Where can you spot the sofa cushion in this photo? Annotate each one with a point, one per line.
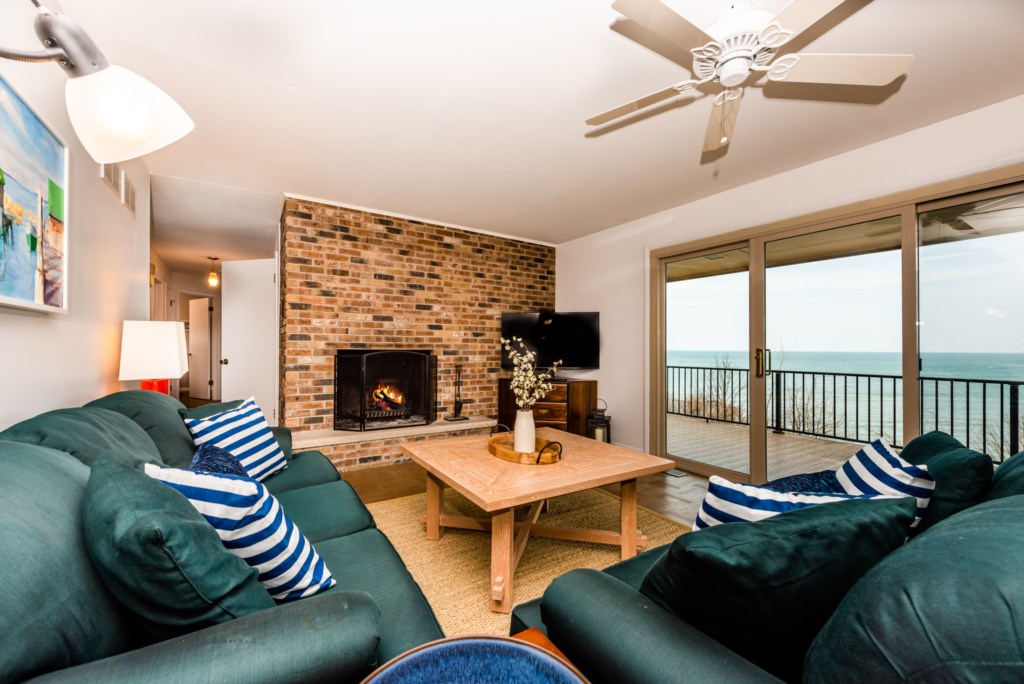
(332, 509)
(244, 432)
(211, 459)
(1007, 480)
(87, 434)
(157, 414)
(962, 475)
(730, 502)
(821, 482)
(366, 561)
(919, 449)
(877, 470)
(55, 612)
(946, 607)
(160, 558)
(252, 525)
(283, 435)
(764, 589)
(306, 468)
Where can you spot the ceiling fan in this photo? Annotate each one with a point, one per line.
(745, 43)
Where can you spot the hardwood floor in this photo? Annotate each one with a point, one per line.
(676, 498)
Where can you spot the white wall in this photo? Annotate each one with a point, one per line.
(608, 271)
(52, 360)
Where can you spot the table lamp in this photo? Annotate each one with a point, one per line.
(153, 352)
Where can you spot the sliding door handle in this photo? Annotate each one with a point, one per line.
(762, 362)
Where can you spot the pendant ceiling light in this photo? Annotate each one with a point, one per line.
(213, 279)
(116, 114)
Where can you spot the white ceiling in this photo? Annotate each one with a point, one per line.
(471, 112)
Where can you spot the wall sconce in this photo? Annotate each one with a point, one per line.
(153, 352)
(116, 113)
(213, 279)
(599, 426)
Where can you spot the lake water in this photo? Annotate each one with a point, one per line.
(977, 413)
(995, 367)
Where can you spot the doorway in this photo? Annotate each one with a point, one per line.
(201, 314)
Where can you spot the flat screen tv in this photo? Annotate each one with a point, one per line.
(574, 338)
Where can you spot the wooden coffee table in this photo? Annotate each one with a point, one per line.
(498, 486)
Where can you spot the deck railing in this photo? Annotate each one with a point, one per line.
(857, 407)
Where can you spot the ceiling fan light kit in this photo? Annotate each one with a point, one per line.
(743, 43)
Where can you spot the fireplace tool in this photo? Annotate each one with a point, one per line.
(458, 395)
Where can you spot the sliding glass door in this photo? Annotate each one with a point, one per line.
(971, 275)
(833, 349)
(778, 353)
(706, 310)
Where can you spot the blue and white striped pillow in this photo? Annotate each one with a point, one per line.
(728, 502)
(253, 526)
(877, 469)
(245, 434)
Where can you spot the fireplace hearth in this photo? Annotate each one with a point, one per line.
(375, 389)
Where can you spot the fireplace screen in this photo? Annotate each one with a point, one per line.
(376, 388)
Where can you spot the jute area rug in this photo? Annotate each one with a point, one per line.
(454, 572)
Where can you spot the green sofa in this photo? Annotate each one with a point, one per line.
(60, 622)
(947, 605)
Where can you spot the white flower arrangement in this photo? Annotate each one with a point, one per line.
(528, 385)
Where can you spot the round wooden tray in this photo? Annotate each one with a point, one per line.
(546, 450)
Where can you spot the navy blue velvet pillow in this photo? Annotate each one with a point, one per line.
(212, 459)
(823, 482)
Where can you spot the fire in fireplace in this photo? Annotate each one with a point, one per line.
(386, 401)
(384, 388)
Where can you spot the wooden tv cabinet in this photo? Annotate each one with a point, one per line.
(566, 407)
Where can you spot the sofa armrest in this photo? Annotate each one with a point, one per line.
(613, 633)
(331, 637)
(283, 436)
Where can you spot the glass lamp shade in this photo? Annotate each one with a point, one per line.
(153, 350)
(213, 279)
(119, 115)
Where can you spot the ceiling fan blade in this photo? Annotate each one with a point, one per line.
(723, 119)
(636, 105)
(800, 15)
(658, 18)
(864, 70)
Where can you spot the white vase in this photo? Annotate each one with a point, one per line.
(525, 433)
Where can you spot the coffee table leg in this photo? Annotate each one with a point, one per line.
(502, 528)
(435, 502)
(627, 518)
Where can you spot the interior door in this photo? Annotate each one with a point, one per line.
(250, 333)
(199, 349)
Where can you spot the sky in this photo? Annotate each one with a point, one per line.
(971, 296)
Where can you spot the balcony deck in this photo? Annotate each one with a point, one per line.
(726, 445)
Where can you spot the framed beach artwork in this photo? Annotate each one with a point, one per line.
(33, 231)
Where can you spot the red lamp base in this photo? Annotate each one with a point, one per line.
(161, 386)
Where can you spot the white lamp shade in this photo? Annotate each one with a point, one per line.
(153, 350)
(119, 115)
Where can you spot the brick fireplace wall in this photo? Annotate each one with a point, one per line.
(354, 279)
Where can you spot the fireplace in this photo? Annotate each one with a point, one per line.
(376, 389)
